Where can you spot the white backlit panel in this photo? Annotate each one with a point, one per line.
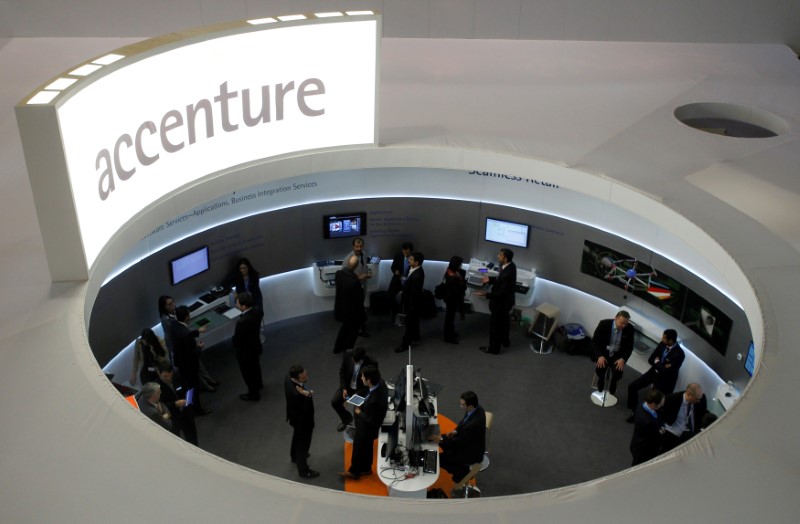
(153, 126)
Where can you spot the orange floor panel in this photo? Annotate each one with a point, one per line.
(372, 485)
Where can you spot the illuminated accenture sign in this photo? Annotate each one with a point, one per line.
(175, 129)
(154, 124)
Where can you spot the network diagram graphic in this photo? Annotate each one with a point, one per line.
(626, 271)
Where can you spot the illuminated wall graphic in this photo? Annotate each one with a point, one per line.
(658, 289)
(153, 123)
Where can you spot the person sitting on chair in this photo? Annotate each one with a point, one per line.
(465, 445)
(682, 415)
(613, 345)
(665, 363)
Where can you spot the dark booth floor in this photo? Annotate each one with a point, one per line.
(547, 433)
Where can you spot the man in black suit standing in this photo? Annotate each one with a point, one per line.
(682, 415)
(300, 415)
(465, 445)
(646, 440)
(348, 306)
(363, 272)
(247, 343)
(350, 383)
(501, 300)
(187, 355)
(412, 300)
(368, 418)
(665, 363)
(400, 267)
(613, 345)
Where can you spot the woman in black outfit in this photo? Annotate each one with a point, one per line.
(247, 279)
(149, 353)
(455, 288)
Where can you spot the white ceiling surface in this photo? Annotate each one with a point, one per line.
(71, 451)
(727, 21)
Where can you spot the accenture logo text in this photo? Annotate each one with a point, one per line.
(178, 128)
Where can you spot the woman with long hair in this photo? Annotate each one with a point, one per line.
(148, 353)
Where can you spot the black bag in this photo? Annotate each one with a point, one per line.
(437, 493)
(427, 305)
(440, 291)
(379, 303)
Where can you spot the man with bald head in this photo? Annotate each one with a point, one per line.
(348, 307)
(682, 415)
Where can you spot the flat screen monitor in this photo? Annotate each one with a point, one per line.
(425, 406)
(346, 225)
(188, 265)
(750, 360)
(391, 451)
(400, 391)
(507, 233)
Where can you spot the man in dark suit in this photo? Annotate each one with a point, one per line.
(350, 383)
(173, 395)
(187, 355)
(665, 363)
(465, 445)
(646, 440)
(363, 272)
(501, 300)
(300, 415)
(151, 406)
(682, 415)
(412, 300)
(368, 419)
(400, 267)
(348, 307)
(613, 345)
(247, 344)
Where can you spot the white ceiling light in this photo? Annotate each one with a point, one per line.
(43, 97)
(61, 83)
(261, 21)
(108, 59)
(291, 18)
(85, 70)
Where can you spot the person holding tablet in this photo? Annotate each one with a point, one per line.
(368, 418)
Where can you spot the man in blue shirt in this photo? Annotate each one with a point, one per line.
(665, 364)
(646, 440)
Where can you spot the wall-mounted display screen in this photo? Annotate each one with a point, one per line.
(345, 225)
(634, 276)
(660, 290)
(188, 265)
(706, 320)
(507, 233)
(750, 360)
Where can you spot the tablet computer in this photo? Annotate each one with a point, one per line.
(356, 400)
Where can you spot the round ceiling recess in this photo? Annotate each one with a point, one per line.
(731, 120)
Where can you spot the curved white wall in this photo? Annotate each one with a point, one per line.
(114, 452)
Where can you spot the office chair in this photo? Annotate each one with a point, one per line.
(542, 328)
(462, 488)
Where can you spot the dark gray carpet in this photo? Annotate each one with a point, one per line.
(547, 432)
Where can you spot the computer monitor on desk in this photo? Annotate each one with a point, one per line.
(425, 406)
(390, 449)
